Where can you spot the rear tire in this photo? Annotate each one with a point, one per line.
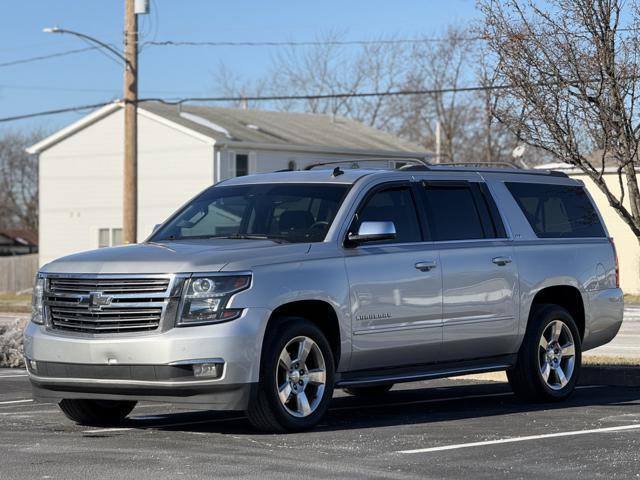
(550, 357)
(296, 378)
(96, 412)
(376, 391)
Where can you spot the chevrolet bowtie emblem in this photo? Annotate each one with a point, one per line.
(96, 300)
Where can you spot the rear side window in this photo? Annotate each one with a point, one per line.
(458, 211)
(557, 211)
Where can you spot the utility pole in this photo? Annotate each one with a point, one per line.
(132, 8)
(130, 196)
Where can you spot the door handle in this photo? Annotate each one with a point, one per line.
(501, 261)
(426, 266)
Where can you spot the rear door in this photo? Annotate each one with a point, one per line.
(395, 285)
(479, 274)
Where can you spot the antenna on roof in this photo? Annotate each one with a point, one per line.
(337, 172)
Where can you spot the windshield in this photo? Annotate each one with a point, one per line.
(281, 212)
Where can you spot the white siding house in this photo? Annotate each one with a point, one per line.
(180, 152)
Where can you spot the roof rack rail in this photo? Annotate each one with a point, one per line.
(481, 164)
(355, 162)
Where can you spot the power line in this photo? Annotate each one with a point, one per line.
(46, 57)
(271, 98)
(323, 96)
(179, 43)
(53, 112)
(267, 98)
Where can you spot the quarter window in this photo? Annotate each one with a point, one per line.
(394, 205)
(557, 211)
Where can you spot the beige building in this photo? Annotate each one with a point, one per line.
(626, 242)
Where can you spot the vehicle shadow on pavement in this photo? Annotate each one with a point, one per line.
(408, 405)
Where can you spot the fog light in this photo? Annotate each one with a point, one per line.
(33, 366)
(211, 370)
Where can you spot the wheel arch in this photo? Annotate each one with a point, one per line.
(566, 296)
(320, 312)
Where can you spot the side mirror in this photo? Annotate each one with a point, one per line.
(373, 232)
(156, 227)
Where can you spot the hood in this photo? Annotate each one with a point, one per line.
(176, 257)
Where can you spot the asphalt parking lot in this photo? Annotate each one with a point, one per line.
(438, 429)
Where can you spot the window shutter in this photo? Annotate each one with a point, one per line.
(231, 162)
(253, 163)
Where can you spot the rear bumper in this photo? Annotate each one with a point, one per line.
(154, 367)
(605, 317)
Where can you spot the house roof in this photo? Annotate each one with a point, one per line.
(21, 236)
(239, 127)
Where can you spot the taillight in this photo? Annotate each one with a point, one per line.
(615, 255)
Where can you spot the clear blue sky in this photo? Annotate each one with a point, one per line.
(89, 77)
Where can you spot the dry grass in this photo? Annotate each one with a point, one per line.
(11, 302)
(631, 299)
(11, 352)
(610, 361)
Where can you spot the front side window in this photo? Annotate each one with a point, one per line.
(284, 212)
(557, 211)
(393, 205)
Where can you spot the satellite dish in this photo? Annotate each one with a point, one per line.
(518, 151)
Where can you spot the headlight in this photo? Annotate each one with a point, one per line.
(205, 299)
(37, 301)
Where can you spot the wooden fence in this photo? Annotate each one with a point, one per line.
(17, 272)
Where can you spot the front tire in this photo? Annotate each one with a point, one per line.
(550, 357)
(96, 412)
(296, 378)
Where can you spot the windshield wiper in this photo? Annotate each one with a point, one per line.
(247, 236)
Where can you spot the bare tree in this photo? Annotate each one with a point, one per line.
(468, 129)
(572, 71)
(18, 181)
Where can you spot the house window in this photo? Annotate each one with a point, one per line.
(116, 236)
(242, 164)
(103, 238)
(109, 237)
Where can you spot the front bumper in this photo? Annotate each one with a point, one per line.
(155, 367)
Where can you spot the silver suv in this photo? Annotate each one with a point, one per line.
(266, 292)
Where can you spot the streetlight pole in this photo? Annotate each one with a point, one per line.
(130, 187)
(130, 98)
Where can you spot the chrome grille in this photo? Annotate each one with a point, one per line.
(111, 286)
(101, 305)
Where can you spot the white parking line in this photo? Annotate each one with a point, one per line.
(16, 401)
(522, 439)
(165, 425)
(14, 375)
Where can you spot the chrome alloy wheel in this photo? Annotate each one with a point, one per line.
(556, 355)
(301, 376)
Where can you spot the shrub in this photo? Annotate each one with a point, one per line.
(11, 347)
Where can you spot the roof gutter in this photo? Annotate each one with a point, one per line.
(325, 149)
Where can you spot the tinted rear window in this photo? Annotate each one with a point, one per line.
(453, 214)
(557, 211)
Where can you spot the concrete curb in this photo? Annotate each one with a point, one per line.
(614, 375)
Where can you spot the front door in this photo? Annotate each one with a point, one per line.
(395, 287)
